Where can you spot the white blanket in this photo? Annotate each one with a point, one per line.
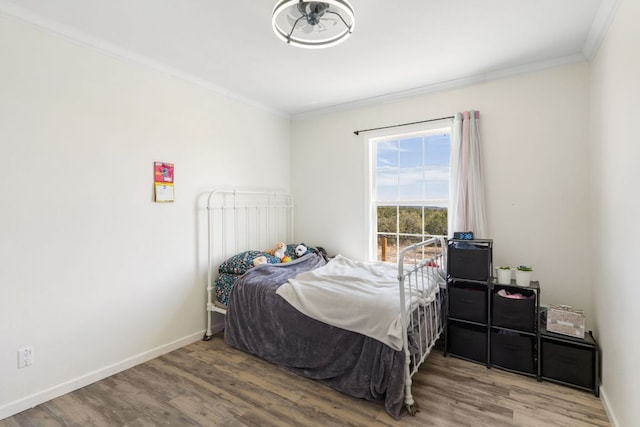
(361, 297)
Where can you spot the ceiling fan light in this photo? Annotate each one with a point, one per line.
(288, 21)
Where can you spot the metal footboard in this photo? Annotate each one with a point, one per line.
(421, 272)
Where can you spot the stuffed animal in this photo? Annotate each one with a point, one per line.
(286, 258)
(279, 250)
(301, 250)
(259, 260)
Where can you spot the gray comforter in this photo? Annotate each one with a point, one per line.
(260, 322)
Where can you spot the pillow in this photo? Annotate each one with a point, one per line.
(240, 263)
(223, 285)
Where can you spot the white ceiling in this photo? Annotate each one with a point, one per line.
(399, 47)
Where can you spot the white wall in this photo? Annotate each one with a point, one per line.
(535, 148)
(615, 208)
(93, 274)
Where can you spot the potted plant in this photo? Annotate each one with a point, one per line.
(504, 275)
(523, 275)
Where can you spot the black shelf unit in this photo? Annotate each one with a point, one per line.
(510, 334)
(483, 326)
(513, 330)
(570, 361)
(469, 266)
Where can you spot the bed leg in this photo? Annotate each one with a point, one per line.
(208, 334)
(412, 405)
(412, 408)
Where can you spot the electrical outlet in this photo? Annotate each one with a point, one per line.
(25, 357)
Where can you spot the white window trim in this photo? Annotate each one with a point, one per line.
(370, 140)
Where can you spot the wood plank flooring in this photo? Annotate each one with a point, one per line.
(212, 384)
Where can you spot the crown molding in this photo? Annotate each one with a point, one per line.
(599, 27)
(83, 39)
(444, 86)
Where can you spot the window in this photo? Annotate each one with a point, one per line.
(409, 189)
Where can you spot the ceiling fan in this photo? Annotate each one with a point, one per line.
(313, 24)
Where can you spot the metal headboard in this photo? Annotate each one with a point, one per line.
(241, 220)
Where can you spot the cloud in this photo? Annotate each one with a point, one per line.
(414, 176)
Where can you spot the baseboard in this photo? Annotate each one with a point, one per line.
(35, 399)
(607, 408)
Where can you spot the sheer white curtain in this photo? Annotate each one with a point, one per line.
(466, 188)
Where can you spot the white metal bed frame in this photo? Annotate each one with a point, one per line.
(419, 266)
(239, 220)
(242, 220)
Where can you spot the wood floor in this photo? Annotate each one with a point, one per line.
(212, 384)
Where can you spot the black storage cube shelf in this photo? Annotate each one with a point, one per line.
(513, 351)
(568, 363)
(468, 261)
(512, 313)
(468, 341)
(468, 301)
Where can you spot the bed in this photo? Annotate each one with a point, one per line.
(295, 315)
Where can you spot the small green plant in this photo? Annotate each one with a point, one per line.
(524, 268)
(504, 268)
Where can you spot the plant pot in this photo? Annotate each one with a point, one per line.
(523, 278)
(504, 276)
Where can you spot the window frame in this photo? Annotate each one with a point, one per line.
(371, 205)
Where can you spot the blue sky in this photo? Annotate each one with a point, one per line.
(404, 165)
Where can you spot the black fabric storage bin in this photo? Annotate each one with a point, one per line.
(468, 301)
(568, 363)
(468, 261)
(468, 341)
(511, 313)
(513, 351)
